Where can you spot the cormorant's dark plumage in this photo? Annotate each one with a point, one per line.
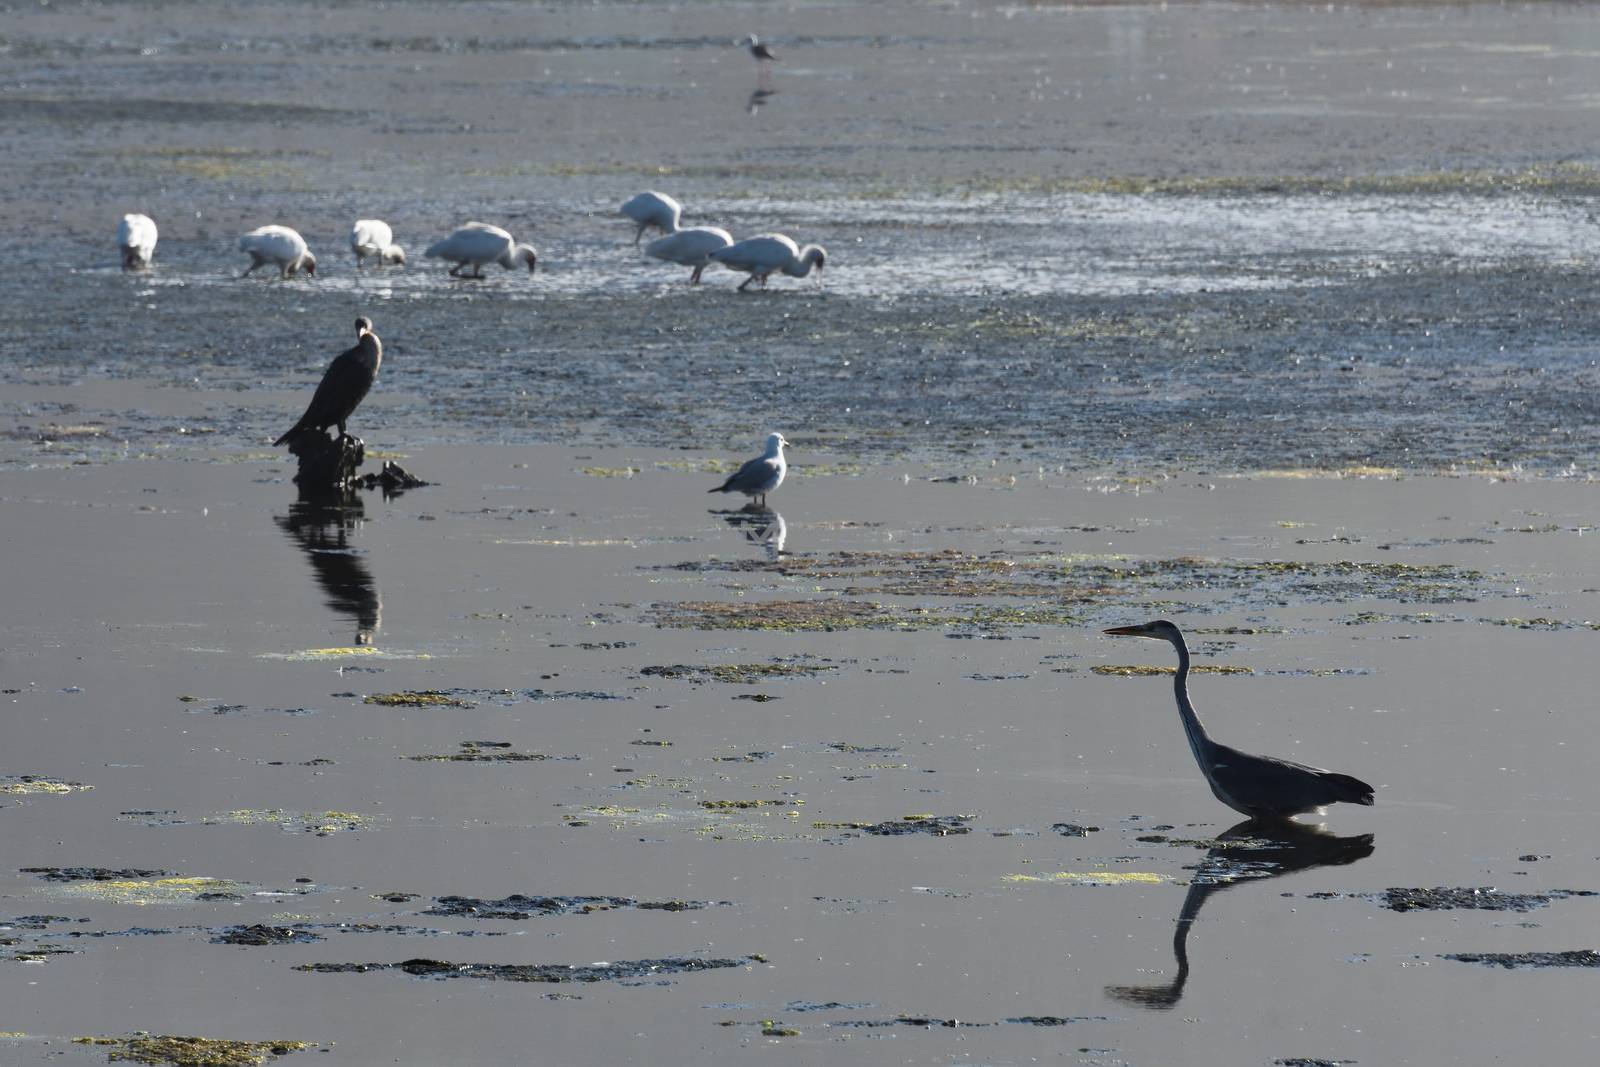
(344, 385)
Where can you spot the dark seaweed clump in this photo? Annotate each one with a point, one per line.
(1072, 829)
(540, 972)
(938, 825)
(1582, 957)
(516, 906)
(257, 936)
(1485, 898)
(94, 874)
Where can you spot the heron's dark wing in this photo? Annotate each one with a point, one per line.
(1266, 783)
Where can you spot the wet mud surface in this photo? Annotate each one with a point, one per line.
(1276, 320)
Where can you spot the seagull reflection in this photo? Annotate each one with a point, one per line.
(760, 526)
(1249, 851)
(322, 526)
(758, 100)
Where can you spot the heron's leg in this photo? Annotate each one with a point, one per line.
(746, 283)
(694, 279)
(255, 261)
(639, 233)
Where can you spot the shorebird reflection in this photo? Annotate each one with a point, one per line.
(758, 100)
(322, 527)
(760, 526)
(1249, 851)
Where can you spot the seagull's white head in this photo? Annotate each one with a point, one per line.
(775, 444)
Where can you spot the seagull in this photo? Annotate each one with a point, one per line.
(372, 237)
(760, 256)
(763, 56)
(280, 245)
(137, 236)
(691, 247)
(478, 243)
(651, 208)
(1262, 787)
(759, 476)
(343, 385)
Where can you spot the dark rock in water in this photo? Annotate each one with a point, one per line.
(540, 972)
(392, 479)
(1582, 957)
(1483, 898)
(259, 935)
(94, 874)
(1309, 1061)
(1072, 829)
(938, 825)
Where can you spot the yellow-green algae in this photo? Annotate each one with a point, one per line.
(163, 1050)
(739, 805)
(1091, 878)
(321, 823)
(140, 891)
(609, 472)
(28, 784)
(313, 655)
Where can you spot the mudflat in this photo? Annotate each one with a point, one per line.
(1275, 320)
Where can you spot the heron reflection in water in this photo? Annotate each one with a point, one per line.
(323, 526)
(1250, 851)
(760, 526)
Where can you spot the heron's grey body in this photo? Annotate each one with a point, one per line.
(344, 385)
(1262, 787)
(759, 476)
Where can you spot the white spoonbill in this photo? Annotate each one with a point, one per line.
(759, 476)
(760, 256)
(691, 247)
(280, 245)
(478, 243)
(651, 208)
(137, 236)
(373, 237)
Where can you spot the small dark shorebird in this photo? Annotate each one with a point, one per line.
(343, 386)
(763, 56)
(1262, 787)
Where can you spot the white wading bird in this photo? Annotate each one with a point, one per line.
(759, 476)
(280, 245)
(760, 256)
(136, 234)
(478, 243)
(373, 237)
(691, 247)
(653, 209)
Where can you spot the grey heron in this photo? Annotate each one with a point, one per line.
(1262, 787)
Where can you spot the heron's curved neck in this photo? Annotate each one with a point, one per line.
(800, 265)
(1180, 687)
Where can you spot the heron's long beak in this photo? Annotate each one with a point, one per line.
(1125, 631)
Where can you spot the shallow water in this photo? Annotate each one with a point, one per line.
(1273, 319)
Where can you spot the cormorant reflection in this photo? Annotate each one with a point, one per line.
(760, 526)
(1249, 851)
(322, 526)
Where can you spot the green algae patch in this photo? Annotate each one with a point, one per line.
(174, 1051)
(786, 615)
(34, 785)
(1094, 878)
(1141, 670)
(321, 823)
(746, 805)
(417, 698)
(146, 891)
(738, 673)
(609, 472)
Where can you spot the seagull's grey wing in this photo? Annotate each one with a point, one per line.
(752, 475)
